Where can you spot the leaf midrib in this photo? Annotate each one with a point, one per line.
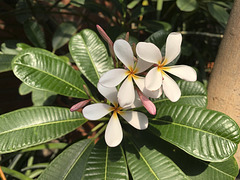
(91, 59)
(151, 170)
(44, 72)
(41, 124)
(79, 156)
(190, 127)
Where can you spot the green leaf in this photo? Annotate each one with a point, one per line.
(219, 13)
(43, 98)
(187, 5)
(204, 134)
(71, 163)
(43, 70)
(63, 34)
(158, 38)
(194, 168)
(32, 126)
(147, 161)
(46, 146)
(193, 93)
(34, 33)
(132, 4)
(24, 89)
(22, 46)
(14, 173)
(106, 163)
(5, 62)
(227, 170)
(77, 3)
(90, 55)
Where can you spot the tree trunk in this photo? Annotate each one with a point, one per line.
(224, 82)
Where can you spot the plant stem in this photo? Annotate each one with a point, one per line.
(2, 176)
(100, 132)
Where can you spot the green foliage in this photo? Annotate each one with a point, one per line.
(184, 140)
(31, 126)
(90, 55)
(51, 73)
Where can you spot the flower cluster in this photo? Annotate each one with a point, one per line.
(135, 89)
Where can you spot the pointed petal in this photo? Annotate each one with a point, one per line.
(170, 88)
(136, 119)
(140, 83)
(108, 92)
(113, 77)
(123, 51)
(142, 65)
(173, 46)
(113, 133)
(184, 72)
(153, 79)
(148, 52)
(126, 94)
(96, 111)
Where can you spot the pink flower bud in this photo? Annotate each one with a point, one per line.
(108, 40)
(149, 106)
(79, 105)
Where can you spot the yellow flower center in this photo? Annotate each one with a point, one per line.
(161, 66)
(116, 110)
(131, 73)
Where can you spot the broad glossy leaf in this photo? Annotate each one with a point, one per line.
(227, 170)
(194, 168)
(22, 46)
(219, 13)
(5, 62)
(90, 55)
(43, 70)
(71, 163)
(63, 34)
(187, 5)
(34, 33)
(205, 134)
(106, 163)
(193, 93)
(31, 126)
(46, 146)
(147, 160)
(43, 98)
(158, 38)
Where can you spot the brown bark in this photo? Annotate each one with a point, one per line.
(224, 82)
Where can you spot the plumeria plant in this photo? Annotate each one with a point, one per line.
(151, 117)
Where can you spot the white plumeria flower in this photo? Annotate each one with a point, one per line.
(113, 133)
(157, 77)
(114, 77)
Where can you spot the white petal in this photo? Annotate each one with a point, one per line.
(153, 79)
(123, 51)
(140, 83)
(113, 133)
(184, 72)
(96, 111)
(108, 92)
(137, 102)
(142, 65)
(148, 52)
(136, 119)
(170, 88)
(173, 46)
(113, 77)
(126, 94)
